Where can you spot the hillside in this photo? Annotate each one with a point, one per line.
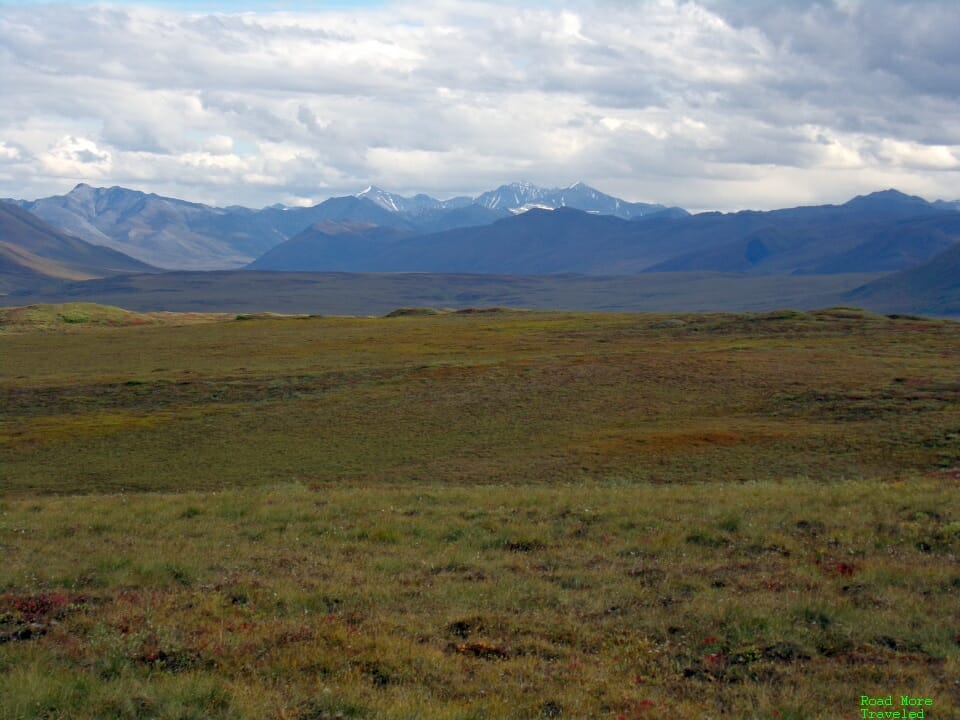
(330, 246)
(164, 232)
(931, 288)
(32, 252)
(19, 267)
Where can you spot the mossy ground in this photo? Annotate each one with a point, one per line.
(59, 317)
(510, 515)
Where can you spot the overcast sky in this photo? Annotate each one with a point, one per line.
(708, 104)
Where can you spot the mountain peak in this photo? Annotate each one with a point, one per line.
(397, 203)
(386, 200)
(82, 190)
(890, 195)
(520, 196)
(892, 203)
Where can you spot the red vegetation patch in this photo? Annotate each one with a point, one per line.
(835, 567)
(631, 708)
(949, 474)
(844, 569)
(33, 608)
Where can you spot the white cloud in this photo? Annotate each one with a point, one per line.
(218, 145)
(73, 157)
(702, 103)
(9, 153)
(920, 157)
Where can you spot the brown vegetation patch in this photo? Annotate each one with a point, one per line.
(482, 650)
(681, 440)
(412, 312)
(948, 474)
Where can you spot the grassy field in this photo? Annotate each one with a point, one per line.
(477, 515)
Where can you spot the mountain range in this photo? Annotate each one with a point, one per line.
(882, 232)
(507, 232)
(176, 234)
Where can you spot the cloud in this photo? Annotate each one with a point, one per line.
(916, 156)
(703, 103)
(76, 156)
(9, 153)
(219, 145)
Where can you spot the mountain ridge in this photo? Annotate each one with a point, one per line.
(883, 232)
(178, 234)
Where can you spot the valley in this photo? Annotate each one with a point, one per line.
(379, 293)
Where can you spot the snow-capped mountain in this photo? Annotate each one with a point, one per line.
(881, 232)
(390, 201)
(177, 234)
(522, 196)
(516, 198)
(414, 205)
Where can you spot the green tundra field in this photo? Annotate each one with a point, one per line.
(478, 514)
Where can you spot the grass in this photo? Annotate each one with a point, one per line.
(480, 515)
(483, 397)
(33, 318)
(595, 600)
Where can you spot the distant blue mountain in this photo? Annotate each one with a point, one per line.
(516, 228)
(932, 288)
(882, 232)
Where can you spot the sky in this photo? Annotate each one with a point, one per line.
(705, 104)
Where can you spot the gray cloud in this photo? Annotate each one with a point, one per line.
(707, 103)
